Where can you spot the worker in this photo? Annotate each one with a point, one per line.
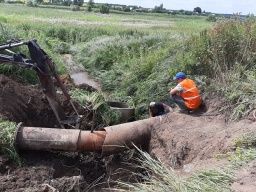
(158, 108)
(185, 94)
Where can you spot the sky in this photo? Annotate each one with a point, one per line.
(243, 7)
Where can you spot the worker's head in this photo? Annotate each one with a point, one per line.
(179, 76)
(152, 104)
(152, 107)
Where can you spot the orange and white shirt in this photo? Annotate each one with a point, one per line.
(189, 92)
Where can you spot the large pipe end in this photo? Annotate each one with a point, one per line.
(125, 136)
(41, 138)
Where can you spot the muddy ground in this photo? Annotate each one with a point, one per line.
(186, 142)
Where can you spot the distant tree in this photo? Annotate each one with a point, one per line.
(91, 3)
(198, 10)
(211, 18)
(126, 8)
(66, 2)
(159, 9)
(188, 13)
(104, 9)
(182, 12)
(80, 2)
(89, 8)
(250, 17)
(134, 7)
(74, 2)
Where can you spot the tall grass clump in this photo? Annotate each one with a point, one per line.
(6, 32)
(103, 52)
(226, 55)
(95, 103)
(158, 177)
(245, 151)
(7, 130)
(73, 34)
(228, 47)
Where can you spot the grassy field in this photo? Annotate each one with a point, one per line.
(128, 43)
(135, 55)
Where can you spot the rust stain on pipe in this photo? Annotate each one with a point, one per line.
(110, 140)
(91, 141)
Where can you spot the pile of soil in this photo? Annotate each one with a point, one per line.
(186, 142)
(24, 103)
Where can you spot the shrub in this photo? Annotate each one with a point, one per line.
(211, 18)
(104, 9)
(31, 4)
(74, 7)
(6, 32)
(7, 130)
(3, 19)
(89, 8)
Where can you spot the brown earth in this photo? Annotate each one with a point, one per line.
(186, 142)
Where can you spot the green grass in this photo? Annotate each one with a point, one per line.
(95, 103)
(125, 50)
(134, 55)
(7, 130)
(158, 177)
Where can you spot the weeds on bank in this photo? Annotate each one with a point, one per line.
(7, 130)
(226, 55)
(134, 68)
(132, 62)
(245, 149)
(158, 177)
(95, 102)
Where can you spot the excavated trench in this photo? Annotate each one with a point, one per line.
(185, 142)
(21, 102)
(178, 140)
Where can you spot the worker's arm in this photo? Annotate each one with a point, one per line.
(176, 89)
(173, 91)
(150, 113)
(167, 107)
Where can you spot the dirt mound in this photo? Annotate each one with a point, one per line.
(187, 142)
(24, 103)
(182, 138)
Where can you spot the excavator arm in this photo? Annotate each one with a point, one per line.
(45, 69)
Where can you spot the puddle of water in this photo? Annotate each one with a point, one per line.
(83, 78)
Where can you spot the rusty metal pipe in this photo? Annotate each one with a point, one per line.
(40, 138)
(111, 140)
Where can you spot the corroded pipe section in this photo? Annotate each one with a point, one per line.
(40, 138)
(111, 140)
(91, 141)
(124, 136)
